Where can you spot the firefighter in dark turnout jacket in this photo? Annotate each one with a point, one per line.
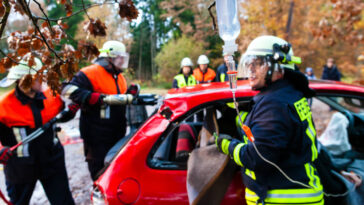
(101, 124)
(281, 122)
(22, 111)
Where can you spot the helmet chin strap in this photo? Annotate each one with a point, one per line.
(269, 75)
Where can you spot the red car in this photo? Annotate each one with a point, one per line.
(145, 171)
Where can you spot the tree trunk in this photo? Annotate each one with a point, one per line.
(140, 55)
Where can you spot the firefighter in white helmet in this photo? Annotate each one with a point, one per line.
(23, 110)
(184, 77)
(203, 74)
(281, 123)
(102, 123)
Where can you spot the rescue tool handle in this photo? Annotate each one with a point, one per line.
(39, 131)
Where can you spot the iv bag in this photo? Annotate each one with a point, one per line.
(228, 22)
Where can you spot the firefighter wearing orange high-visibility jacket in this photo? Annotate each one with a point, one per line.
(281, 128)
(23, 111)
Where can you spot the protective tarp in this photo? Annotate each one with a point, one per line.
(335, 136)
(208, 176)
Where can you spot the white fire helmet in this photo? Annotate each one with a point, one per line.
(257, 54)
(113, 49)
(20, 70)
(186, 62)
(202, 59)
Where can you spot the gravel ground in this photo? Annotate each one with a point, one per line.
(78, 175)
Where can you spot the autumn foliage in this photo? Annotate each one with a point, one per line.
(43, 40)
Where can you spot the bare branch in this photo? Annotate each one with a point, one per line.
(83, 6)
(12, 59)
(45, 15)
(73, 14)
(5, 18)
(212, 16)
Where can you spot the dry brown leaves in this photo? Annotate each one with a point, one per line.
(68, 8)
(127, 10)
(17, 7)
(95, 27)
(87, 50)
(58, 62)
(2, 8)
(343, 23)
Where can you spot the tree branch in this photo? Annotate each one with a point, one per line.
(12, 59)
(73, 14)
(83, 6)
(45, 15)
(5, 18)
(29, 13)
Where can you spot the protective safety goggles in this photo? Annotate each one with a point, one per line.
(251, 64)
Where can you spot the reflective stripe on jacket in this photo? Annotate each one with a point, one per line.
(281, 122)
(207, 77)
(18, 119)
(181, 81)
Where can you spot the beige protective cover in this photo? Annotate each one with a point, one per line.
(209, 172)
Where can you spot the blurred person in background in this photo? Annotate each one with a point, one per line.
(309, 74)
(330, 71)
(185, 76)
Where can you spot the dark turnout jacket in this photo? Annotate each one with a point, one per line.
(99, 123)
(281, 123)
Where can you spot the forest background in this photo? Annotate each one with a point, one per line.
(159, 33)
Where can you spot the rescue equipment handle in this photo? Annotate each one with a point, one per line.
(39, 131)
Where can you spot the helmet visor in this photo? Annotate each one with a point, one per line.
(126, 60)
(251, 64)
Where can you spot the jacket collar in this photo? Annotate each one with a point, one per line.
(282, 83)
(24, 99)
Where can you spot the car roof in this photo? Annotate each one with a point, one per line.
(184, 99)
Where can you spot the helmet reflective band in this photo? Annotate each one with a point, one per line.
(202, 59)
(20, 70)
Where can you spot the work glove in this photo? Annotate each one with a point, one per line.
(5, 154)
(222, 142)
(96, 99)
(133, 89)
(68, 113)
(119, 99)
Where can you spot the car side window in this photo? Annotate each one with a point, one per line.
(173, 149)
(175, 145)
